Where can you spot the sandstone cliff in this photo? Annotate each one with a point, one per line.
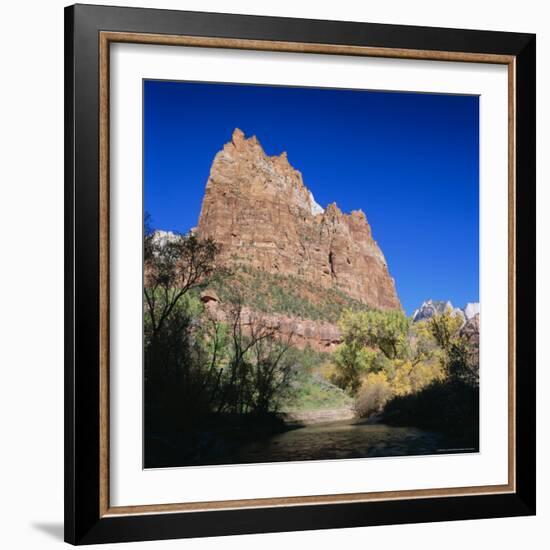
(303, 333)
(259, 210)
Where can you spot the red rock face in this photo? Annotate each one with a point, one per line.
(470, 331)
(300, 333)
(261, 213)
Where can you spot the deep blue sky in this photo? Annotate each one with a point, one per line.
(410, 161)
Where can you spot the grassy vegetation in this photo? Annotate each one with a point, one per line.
(285, 294)
(312, 392)
(310, 389)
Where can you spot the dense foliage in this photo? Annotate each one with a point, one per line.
(310, 387)
(448, 406)
(196, 366)
(420, 374)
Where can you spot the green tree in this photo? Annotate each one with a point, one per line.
(386, 330)
(444, 328)
(456, 357)
(371, 340)
(258, 370)
(177, 379)
(352, 360)
(173, 265)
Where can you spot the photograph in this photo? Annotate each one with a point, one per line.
(310, 274)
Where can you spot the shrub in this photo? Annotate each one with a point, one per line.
(373, 394)
(328, 371)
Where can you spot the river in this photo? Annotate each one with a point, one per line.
(345, 439)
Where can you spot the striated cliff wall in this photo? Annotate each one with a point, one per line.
(259, 210)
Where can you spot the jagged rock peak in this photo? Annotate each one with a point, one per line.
(471, 310)
(161, 237)
(278, 175)
(238, 135)
(429, 308)
(263, 215)
(239, 142)
(359, 215)
(332, 210)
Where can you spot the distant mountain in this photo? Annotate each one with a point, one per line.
(471, 310)
(432, 307)
(160, 237)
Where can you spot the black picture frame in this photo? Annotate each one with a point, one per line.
(84, 523)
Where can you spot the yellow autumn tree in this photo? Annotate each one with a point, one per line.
(383, 355)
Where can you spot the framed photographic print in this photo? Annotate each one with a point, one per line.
(300, 274)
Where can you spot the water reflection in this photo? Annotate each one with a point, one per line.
(346, 439)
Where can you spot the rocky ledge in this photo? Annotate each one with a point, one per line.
(303, 333)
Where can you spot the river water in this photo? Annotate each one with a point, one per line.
(346, 439)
